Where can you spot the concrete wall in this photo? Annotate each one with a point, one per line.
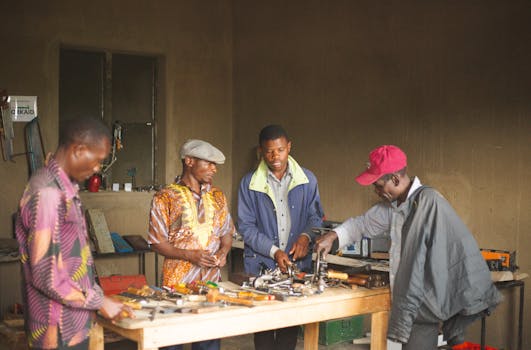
(193, 40)
(449, 82)
(193, 43)
(126, 213)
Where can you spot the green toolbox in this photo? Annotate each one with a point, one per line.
(341, 330)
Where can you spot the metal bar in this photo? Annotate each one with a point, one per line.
(521, 316)
(482, 332)
(142, 262)
(157, 269)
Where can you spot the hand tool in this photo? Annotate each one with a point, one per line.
(145, 291)
(255, 296)
(366, 282)
(158, 296)
(357, 280)
(160, 309)
(368, 277)
(319, 273)
(214, 295)
(153, 313)
(274, 295)
(337, 275)
(195, 297)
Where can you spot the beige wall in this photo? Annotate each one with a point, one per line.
(193, 41)
(449, 82)
(126, 213)
(192, 38)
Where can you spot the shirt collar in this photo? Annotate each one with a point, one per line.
(287, 174)
(70, 187)
(414, 186)
(205, 187)
(259, 177)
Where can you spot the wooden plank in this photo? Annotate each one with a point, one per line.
(311, 336)
(16, 322)
(169, 329)
(378, 330)
(100, 231)
(96, 337)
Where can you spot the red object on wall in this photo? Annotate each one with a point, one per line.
(94, 183)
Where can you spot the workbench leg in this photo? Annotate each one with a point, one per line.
(379, 330)
(311, 336)
(96, 338)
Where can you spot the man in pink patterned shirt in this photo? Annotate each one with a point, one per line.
(60, 292)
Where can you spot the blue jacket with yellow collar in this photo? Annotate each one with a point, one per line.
(257, 221)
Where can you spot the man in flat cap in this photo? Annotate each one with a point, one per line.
(437, 272)
(190, 224)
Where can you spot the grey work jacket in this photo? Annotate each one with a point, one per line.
(442, 275)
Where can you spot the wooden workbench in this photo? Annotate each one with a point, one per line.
(170, 329)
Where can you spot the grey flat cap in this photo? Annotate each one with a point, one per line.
(202, 150)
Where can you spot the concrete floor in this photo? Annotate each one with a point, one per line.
(243, 342)
(17, 341)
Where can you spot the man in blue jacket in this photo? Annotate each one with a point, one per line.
(278, 204)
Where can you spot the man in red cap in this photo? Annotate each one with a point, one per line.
(437, 272)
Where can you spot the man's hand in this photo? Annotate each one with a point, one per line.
(282, 260)
(199, 257)
(202, 258)
(324, 243)
(300, 247)
(115, 310)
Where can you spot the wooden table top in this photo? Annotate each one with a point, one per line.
(329, 296)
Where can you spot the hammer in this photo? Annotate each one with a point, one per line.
(214, 295)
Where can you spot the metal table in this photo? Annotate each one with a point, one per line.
(508, 285)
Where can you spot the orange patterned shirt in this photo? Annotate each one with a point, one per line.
(189, 220)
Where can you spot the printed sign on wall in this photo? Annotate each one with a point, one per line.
(23, 108)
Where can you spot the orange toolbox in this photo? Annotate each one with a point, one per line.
(116, 284)
(500, 260)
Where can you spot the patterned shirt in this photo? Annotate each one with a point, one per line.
(188, 220)
(60, 292)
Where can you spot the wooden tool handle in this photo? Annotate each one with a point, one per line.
(214, 295)
(336, 274)
(255, 296)
(357, 280)
(367, 276)
(128, 301)
(133, 305)
(246, 302)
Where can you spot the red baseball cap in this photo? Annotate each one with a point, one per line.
(383, 160)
